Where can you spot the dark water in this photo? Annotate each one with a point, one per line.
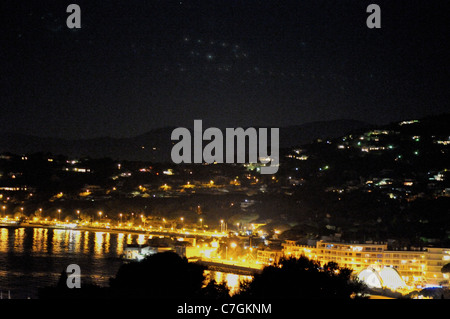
(35, 257)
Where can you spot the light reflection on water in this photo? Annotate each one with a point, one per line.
(233, 281)
(35, 257)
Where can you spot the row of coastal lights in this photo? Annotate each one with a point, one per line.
(100, 214)
(223, 224)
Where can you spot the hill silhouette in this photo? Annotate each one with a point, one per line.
(156, 145)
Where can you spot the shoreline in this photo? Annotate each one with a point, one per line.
(82, 228)
(109, 230)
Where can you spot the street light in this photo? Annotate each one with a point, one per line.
(4, 210)
(120, 217)
(59, 214)
(100, 214)
(201, 222)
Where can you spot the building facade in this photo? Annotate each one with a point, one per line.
(268, 256)
(418, 268)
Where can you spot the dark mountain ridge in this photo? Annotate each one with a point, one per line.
(156, 144)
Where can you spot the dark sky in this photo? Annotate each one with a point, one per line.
(138, 65)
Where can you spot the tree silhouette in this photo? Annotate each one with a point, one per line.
(163, 275)
(302, 278)
(445, 268)
(214, 290)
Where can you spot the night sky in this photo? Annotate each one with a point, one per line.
(138, 65)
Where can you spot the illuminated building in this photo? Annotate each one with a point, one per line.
(138, 252)
(268, 256)
(386, 277)
(417, 268)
